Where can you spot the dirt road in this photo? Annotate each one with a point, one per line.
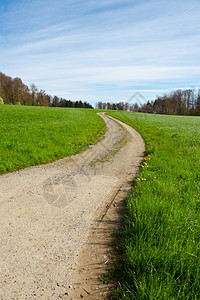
(55, 218)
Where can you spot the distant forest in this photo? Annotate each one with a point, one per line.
(179, 102)
(14, 91)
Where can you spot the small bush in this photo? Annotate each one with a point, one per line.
(1, 101)
(18, 103)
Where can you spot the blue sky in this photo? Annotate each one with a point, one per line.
(101, 50)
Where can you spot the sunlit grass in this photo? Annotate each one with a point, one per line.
(36, 135)
(159, 245)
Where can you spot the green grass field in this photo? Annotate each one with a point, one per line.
(36, 135)
(159, 245)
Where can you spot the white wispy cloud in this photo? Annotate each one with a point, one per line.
(100, 50)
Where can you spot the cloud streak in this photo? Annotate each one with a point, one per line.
(89, 50)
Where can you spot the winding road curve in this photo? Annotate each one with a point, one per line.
(49, 217)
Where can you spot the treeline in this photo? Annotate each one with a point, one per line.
(60, 102)
(179, 102)
(14, 91)
(118, 106)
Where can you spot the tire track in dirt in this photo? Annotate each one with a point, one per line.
(56, 219)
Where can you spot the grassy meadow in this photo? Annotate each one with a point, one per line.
(36, 135)
(159, 244)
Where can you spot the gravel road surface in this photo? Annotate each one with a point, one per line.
(47, 215)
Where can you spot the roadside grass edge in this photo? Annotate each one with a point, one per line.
(158, 247)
